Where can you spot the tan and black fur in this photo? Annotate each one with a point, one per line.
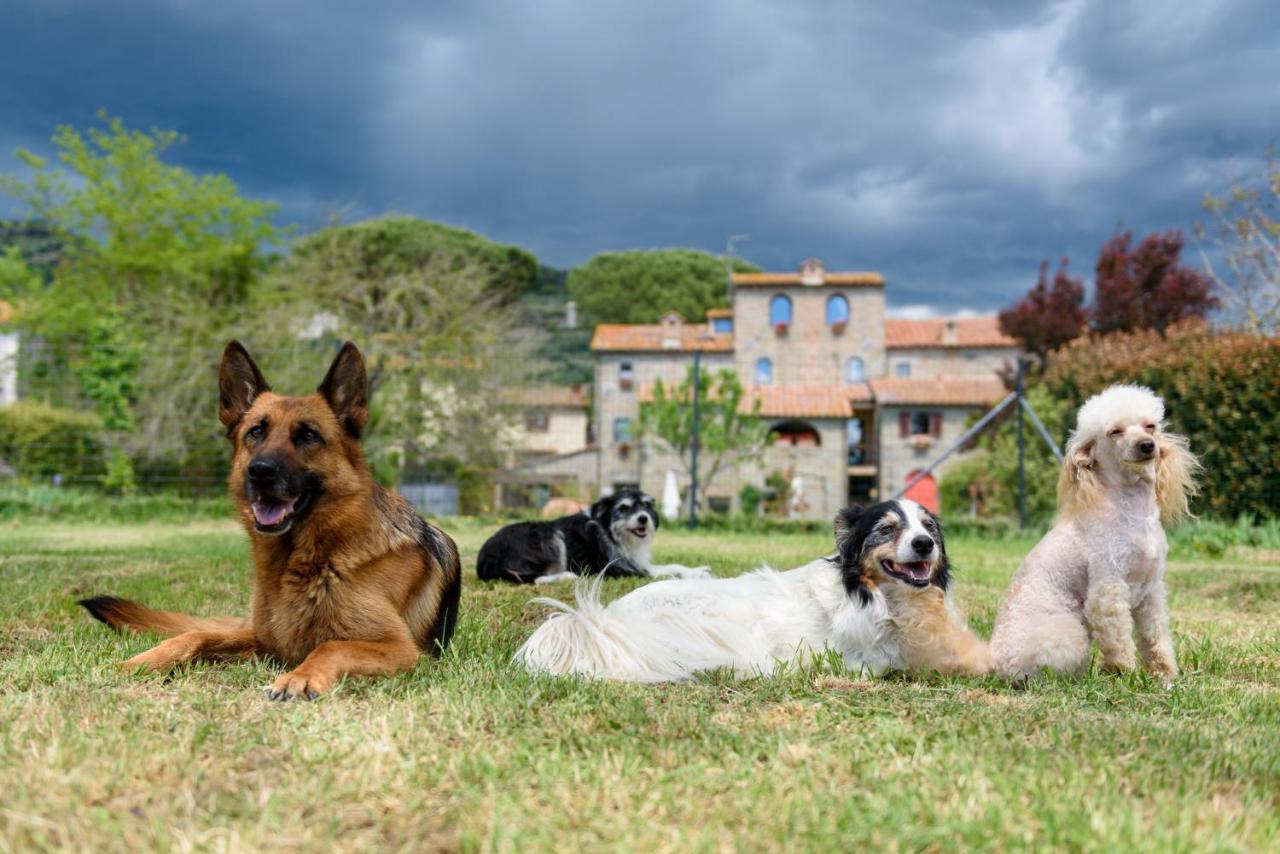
(348, 579)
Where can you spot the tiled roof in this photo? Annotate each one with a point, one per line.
(567, 396)
(982, 331)
(719, 312)
(807, 401)
(776, 279)
(794, 401)
(660, 337)
(938, 391)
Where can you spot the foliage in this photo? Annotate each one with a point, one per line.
(1049, 315)
(1221, 390)
(565, 352)
(726, 434)
(28, 502)
(394, 246)
(1246, 238)
(750, 498)
(439, 339)
(154, 253)
(640, 286)
(985, 482)
(1147, 287)
(40, 245)
(42, 442)
(19, 286)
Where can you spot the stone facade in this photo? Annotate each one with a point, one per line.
(817, 351)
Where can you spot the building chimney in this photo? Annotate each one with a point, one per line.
(949, 332)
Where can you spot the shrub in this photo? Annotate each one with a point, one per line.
(987, 479)
(1221, 390)
(41, 441)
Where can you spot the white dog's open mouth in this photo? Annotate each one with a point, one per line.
(916, 573)
(639, 532)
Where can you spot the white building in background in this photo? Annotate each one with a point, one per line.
(8, 359)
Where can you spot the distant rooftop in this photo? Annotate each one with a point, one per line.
(981, 331)
(812, 273)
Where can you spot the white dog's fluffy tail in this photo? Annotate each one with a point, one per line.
(596, 641)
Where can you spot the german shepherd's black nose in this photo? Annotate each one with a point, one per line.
(922, 545)
(264, 469)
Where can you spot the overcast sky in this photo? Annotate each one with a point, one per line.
(949, 145)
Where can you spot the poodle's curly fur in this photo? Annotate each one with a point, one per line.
(1099, 572)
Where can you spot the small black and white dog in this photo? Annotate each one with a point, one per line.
(614, 538)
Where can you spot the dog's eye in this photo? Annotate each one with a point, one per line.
(256, 432)
(306, 436)
(1117, 432)
(1151, 428)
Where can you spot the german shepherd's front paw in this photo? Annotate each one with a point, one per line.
(299, 685)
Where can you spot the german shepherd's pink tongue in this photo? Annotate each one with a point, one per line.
(271, 514)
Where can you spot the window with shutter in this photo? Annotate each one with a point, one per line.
(904, 424)
(935, 424)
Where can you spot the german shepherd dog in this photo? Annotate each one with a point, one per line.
(348, 579)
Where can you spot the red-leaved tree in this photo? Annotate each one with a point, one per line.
(1148, 287)
(1049, 315)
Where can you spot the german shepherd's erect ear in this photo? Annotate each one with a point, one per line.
(346, 390)
(239, 384)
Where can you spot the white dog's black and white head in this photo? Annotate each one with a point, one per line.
(629, 515)
(894, 542)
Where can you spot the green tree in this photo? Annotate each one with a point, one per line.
(729, 430)
(391, 246)
(19, 285)
(154, 254)
(440, 341)
(640, 286)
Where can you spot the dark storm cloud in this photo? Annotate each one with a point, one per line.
(951, 146)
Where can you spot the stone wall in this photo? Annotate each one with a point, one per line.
(810, 353)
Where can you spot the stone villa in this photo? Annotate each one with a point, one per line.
(856, 403)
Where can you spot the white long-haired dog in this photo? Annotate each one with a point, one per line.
(881, 602)
(1100, 571)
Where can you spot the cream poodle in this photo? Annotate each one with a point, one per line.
(1099, 572)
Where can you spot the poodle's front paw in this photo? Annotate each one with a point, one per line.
(695, 572)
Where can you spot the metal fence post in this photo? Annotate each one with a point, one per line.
(693, 441)
(1022, 449)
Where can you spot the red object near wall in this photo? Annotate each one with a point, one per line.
(924, 493)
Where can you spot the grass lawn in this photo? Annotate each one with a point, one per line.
(471, 753)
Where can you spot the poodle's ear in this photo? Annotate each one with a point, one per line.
(1079, 487)
(1176, 468)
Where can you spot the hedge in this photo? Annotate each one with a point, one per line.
(40, 441)
(1221, 390)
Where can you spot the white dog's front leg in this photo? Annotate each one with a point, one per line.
(1154, 639)
(679, 571)
(1110, 619)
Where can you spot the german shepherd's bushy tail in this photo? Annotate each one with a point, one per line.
(122, 614)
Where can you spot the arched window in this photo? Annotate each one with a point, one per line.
(780, 311)
(764, 371)
(837, 310)
(855, 370)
